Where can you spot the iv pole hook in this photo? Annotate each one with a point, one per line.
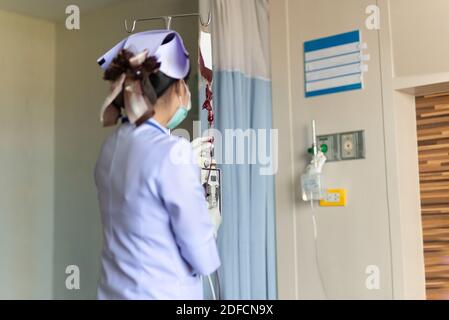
(168, 20)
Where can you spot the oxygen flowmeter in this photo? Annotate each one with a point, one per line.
(312, 181)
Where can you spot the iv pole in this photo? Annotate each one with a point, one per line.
(168, 20)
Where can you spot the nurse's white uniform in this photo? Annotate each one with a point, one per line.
(158, 237)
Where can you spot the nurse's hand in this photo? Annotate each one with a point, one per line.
(202, 148)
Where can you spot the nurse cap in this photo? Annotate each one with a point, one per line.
(166, 45)
(156, 51)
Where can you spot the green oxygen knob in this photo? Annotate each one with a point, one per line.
(323, 148)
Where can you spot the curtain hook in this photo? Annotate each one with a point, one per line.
(209, 19)
(168, 20)
(132, 28)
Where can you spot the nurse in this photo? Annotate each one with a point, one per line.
(158, 238)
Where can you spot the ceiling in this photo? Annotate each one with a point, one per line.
(53, 10)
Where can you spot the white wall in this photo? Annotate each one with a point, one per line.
(27, 80)
(419, 33)
(413, 276)
(80, 92)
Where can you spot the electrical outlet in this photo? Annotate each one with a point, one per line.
(348, 146)
(334, 198)
(352, 145)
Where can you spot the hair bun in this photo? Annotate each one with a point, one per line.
(121, 64)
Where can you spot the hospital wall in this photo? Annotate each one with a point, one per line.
(80, 92)
(27, 80)
(419, 30)
(381, 225)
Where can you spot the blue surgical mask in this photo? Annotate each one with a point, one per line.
(181, 114)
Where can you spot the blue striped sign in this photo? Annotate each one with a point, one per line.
(333, 64)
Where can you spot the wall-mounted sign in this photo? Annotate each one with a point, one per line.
(334, 64)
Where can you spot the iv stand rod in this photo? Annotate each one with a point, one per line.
(168, 20)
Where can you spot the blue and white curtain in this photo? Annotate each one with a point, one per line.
(242, 100)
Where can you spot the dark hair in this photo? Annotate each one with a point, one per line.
(121, 65)
(148, 72)
(161, 82)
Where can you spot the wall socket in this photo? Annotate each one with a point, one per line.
(334, 198)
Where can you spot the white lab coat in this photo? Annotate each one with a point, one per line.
(158, 237)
